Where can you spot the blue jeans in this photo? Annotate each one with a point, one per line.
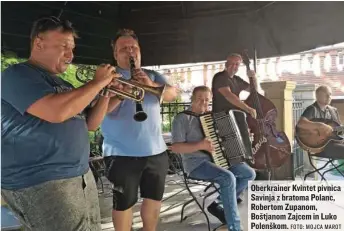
(232, 183)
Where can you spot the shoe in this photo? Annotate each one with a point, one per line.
(217, 211)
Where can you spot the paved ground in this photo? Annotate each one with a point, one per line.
(171, 209)
(174, 198)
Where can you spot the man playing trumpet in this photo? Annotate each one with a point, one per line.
(135, 152)
(45, 148)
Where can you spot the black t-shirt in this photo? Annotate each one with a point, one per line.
(315, 112)
(221, 79)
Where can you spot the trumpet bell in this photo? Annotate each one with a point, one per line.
(157, 91)
(85, 73)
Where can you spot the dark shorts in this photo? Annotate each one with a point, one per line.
(129, 173)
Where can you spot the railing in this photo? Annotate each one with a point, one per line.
(169, 111)
(298, 152)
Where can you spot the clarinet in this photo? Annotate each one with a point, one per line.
(140, 115)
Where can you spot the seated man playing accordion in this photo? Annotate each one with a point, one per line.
(188, 139)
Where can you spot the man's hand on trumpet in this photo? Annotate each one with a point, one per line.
(106, 73)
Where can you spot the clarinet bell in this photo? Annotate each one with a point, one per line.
(140, 115)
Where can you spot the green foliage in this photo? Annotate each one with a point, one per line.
(69, 76)
(8, 59)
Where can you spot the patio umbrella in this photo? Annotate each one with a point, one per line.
(182, 32)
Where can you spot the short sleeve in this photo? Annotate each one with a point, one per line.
(22, 85)
(309, 113)
(219, 81)
(179, 129)
(157, 77)
(243, 85)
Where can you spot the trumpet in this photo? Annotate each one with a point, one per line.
(85, 73)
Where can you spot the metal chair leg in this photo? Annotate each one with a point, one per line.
(334, 167)
(315, 169)
(208, 195)
(219, 227)
(183, 207)
(199, 205)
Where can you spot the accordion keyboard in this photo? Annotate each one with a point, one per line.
(210, 132)
(223, 132)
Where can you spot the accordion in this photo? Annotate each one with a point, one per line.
(228, 132)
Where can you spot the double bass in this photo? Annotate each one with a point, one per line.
(271, 148)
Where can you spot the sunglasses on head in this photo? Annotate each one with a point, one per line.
(50, 23)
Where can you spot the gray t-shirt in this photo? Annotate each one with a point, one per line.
(187, 128)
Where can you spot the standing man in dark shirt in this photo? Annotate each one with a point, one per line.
(226, 87)
(321, 109)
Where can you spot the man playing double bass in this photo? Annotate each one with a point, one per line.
(226, 87)
(321, 109)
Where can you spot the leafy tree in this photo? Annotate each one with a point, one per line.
(8, 59)
(69, 76)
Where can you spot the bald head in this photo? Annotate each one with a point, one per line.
(323, 95)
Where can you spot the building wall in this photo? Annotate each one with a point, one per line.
(324, 66)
